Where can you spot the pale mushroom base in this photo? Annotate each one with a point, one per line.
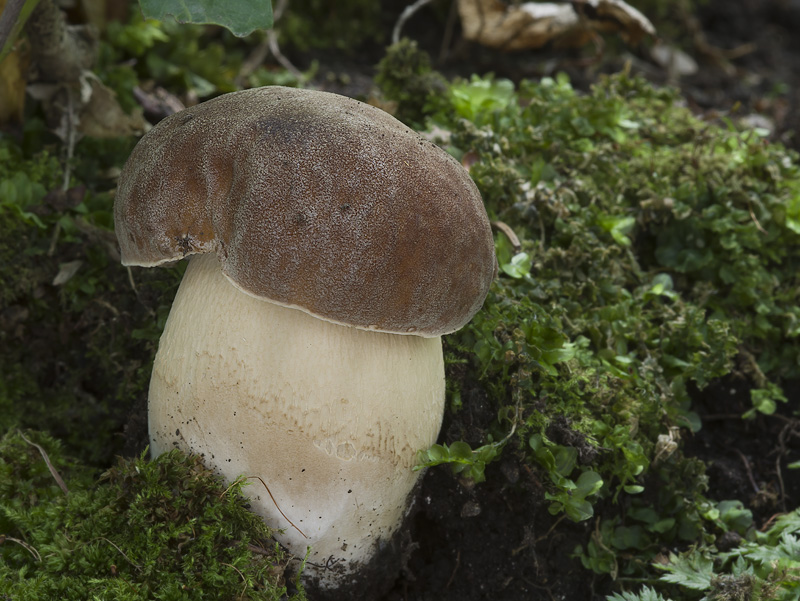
(329, 417)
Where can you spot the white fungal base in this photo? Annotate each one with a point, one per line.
(330, 417)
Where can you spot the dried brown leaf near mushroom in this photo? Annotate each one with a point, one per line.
(531, 25)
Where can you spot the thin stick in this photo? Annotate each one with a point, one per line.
(447, 38)
(272, 40)
(786, 431)
(553, 527)
(131, 281)
(755, 220)
(128, 559)
(509, 233)
(271, 497)
(244, 589)
(52, 469)
(71, 138)
(407, 13)
(23, 544)
(749, 471)
(455, 569)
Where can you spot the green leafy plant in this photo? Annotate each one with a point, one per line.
(242, 18)
(763, 567)
(646, 594)
(461, 458)
(309, 24)
(480, 96)
(406, 77)
(657, 254)
(571, 497)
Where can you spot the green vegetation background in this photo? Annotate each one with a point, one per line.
(657, 254)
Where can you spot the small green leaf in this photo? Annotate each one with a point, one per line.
(437, 453)
(478, 96)
(628, 538)
(643, 514)
(664, 525)
(579, 510)
(589, 483)
(634, 489)
(519, 266)
(619, 228)
(693, 571)
(566, 457)
(646, 594)
(460, 450)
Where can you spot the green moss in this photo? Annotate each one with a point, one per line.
(658, 254)
(405, 76)
(165, 529)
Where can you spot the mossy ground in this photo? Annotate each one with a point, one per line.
(656, 272)
(165, 529)
(657, 255)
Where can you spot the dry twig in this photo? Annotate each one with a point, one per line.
(23, 544)
(269, 492)
(53, 471)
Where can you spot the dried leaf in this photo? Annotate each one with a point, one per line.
(534, 24)
(66, 271)
(103, 117)
(675, 60)
(157, 102)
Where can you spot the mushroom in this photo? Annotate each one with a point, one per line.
(332, 248)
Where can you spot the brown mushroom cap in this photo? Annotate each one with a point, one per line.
(315, 201)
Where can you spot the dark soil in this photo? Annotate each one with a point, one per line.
(493, 540)
(747, 459)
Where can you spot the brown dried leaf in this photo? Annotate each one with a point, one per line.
(103, 117)
(157, 102)
(66, 271)
(534, 24)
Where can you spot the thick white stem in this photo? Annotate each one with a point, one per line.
(330, 417)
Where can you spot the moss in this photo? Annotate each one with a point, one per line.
(658, 254)
(405, 76)
(165, 529)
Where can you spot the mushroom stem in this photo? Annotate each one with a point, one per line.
(329, 416)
